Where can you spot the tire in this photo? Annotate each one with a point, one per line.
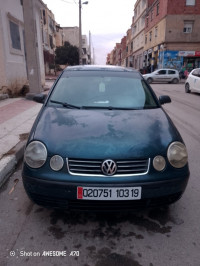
(187, 88)
(175, 81)
(149, 80)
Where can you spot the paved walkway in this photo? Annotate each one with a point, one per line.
(16, 119)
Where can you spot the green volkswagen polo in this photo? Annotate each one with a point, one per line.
(102, 141)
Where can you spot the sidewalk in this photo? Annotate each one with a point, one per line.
(16, 119)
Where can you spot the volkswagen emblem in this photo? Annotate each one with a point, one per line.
(109, 167)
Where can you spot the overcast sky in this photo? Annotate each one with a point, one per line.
(107, 20)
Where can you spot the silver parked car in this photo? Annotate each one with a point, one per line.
(193, 81)
(163, 75)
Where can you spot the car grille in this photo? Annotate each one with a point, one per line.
(93, 167)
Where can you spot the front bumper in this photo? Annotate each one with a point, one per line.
(63, 195)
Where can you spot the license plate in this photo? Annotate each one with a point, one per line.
(99, 193)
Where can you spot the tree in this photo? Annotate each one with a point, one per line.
(67, 55)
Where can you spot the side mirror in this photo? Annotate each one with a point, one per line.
(39, 98)
(164, 99)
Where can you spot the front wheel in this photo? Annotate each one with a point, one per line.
(187, 88)
(175, 81)
(149, 80)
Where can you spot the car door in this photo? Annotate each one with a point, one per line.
(197, 81)
(194, 79)
(161, 75)
(171, 75)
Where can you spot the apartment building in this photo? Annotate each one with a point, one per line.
(129, 48)
(138, 29)
(71, 35)
(123, 51)
(50, 31)
(172, 36)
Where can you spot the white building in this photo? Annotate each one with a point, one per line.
(13, 74)
(13, 51)
(71, 35)
(86, 58)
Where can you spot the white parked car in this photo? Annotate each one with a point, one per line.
(163, 75)
(193, 81)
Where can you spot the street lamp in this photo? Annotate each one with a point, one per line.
(80, 31)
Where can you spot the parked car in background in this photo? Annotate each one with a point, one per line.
(193, 81)
(163, 75)
(103, 142)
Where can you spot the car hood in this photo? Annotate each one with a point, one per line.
(104, 133)
(148, 75)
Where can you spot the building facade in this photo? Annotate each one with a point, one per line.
(86, 54)
(138, 29)
(123, 51)
(172, 36)
(13, 72)
(129, 48)
(71, 35)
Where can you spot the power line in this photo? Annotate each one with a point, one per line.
(68, 2)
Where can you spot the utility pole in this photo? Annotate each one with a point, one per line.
(80, 31)
(80, 35)
(90, 47)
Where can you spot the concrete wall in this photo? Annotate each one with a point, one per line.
(2, 56)
(14, 69)
(175, 25)
(71, 35)
(161, 28)
(40, 45)
(179, 7)
(163, 4)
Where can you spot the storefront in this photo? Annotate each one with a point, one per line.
(147, 63)
(179, 59)
(191, 59)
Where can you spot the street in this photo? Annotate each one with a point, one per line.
(33, 235)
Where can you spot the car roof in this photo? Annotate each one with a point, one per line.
(196, 69)
(100, 68)
(166, 69)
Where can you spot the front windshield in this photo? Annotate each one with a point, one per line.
(102, 90)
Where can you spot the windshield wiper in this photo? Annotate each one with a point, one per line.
(66, 105)
(108, 108)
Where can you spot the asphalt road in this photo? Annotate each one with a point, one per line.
(158, 237)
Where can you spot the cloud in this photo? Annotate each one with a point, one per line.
(103, 44)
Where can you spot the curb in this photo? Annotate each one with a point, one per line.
(10, 160)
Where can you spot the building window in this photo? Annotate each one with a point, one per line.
(151, 14)
(44, 16)
(190, 2)
(157, 9)
(51, 41)
(156, 31)
(15, 35)
(147, 21)
(145, 39)
(127, 48)
(131, 45)
(150, 36)
(188, 25)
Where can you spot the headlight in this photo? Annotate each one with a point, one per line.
(35, 154)
(159, 163)
(56, 162)
(177, 154)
